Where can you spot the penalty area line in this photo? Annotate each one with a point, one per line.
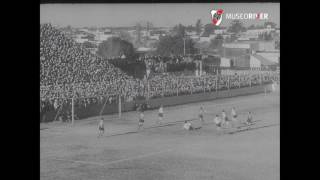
(112, 162)
(76, 161)
(137, 157)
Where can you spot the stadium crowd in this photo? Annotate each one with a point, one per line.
(68, 70)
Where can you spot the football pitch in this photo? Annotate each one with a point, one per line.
(168, 151)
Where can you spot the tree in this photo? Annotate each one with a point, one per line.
(190, 28)
(272, 24)
(138, 33)
(198, 27)
(88, 44)
(266, 36)
(236, 27)
(230, 39)
(216, 42)
(115, 46)
(208, 29)
(173, 45)
(149, 25)
(124, 35)
(252, 26)
(179, 30)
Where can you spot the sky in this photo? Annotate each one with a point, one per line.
(160, 15)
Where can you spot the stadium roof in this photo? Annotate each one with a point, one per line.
(144, 49)
(264, 61)
(236, 45)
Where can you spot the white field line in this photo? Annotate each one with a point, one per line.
(138, 157)
(75, 161)
(215, 105)
(130, 158)
(183, 106)
(113, 162)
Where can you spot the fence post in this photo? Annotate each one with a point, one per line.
(148, 94)
(217, 83)
(191, 85)
(119, 108)
(239, 81)
(177, 90)
(72, 110)
(162, 88)
(228, 82)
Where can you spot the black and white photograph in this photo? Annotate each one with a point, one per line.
(160, 91)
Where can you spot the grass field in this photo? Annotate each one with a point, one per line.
(168, 152)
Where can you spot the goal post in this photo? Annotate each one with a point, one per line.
(76, 111)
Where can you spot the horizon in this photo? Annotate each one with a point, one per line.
(160, 15)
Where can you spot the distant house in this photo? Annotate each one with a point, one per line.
(195, 37)
(254, 62)
(252, 45)
(236, 49)
(220, 31)
(225, 62)
(79, 38)
(272, 56)
(266, 46)
(208, 38)
(238, 53)
(191, 33)
(264, 62)
(101, 36)
(144, 33)
(144, 51)
(155, 37)
(107, 31)
(246, 53)
(244, 38)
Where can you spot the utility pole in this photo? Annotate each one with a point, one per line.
(72, 110)
(184, 46)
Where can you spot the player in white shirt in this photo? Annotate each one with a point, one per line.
(234, 116)
(249, 119)
(101, 127)
(201, 112)
(141, 120)
(218, 122)
(160, 114)
(273, 86)
(224, 118)
(187, 125)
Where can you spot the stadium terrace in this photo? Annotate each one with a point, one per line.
(247, 16)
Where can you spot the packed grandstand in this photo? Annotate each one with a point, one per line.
(68, 70)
